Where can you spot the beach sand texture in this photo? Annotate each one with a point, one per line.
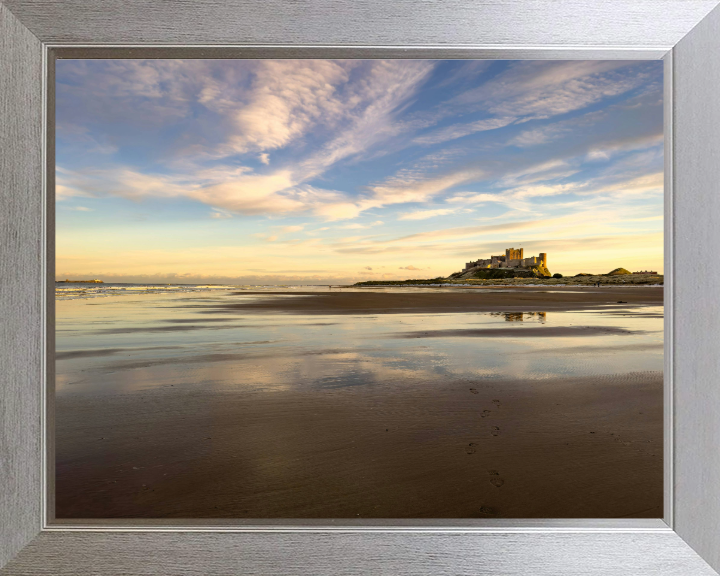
(403, 403)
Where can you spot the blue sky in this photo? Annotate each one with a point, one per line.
(317, 171)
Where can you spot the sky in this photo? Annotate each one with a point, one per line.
(329, 171)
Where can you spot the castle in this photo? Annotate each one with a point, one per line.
(513, 258)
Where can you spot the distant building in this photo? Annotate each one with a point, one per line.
(513, 258)
(646, 272)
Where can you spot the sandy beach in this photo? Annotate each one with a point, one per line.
(478, 403)
(427, 300)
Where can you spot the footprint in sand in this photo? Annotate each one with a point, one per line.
(485, 413)
(494, 480)
(495, 430)
(470, 448)
(474, 391)
(486, 510)
(497, 403)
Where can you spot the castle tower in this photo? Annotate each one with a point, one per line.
(543, 259)
(513, 254)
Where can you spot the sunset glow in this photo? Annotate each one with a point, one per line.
(318, 172)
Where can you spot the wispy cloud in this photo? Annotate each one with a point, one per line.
(284, 100)
(358, 226)
(459, 130)
(467, 231)
(425, 214)
(546, 89)
(291, 229)
(604, 150)
(220, 214)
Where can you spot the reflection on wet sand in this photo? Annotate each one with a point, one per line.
(520, 316)
(454, 414)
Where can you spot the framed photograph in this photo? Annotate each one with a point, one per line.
(335, 349)
(370, 290)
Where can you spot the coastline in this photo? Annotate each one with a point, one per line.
(577, 281)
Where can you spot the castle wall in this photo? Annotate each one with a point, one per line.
(487, 263)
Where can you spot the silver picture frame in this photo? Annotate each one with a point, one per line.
(684, 33)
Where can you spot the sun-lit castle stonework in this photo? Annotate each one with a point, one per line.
(513, 258)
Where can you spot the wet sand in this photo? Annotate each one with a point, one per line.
(399, 301)
(464, 449)
(366, 422)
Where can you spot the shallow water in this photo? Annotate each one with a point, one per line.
(138, 342)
